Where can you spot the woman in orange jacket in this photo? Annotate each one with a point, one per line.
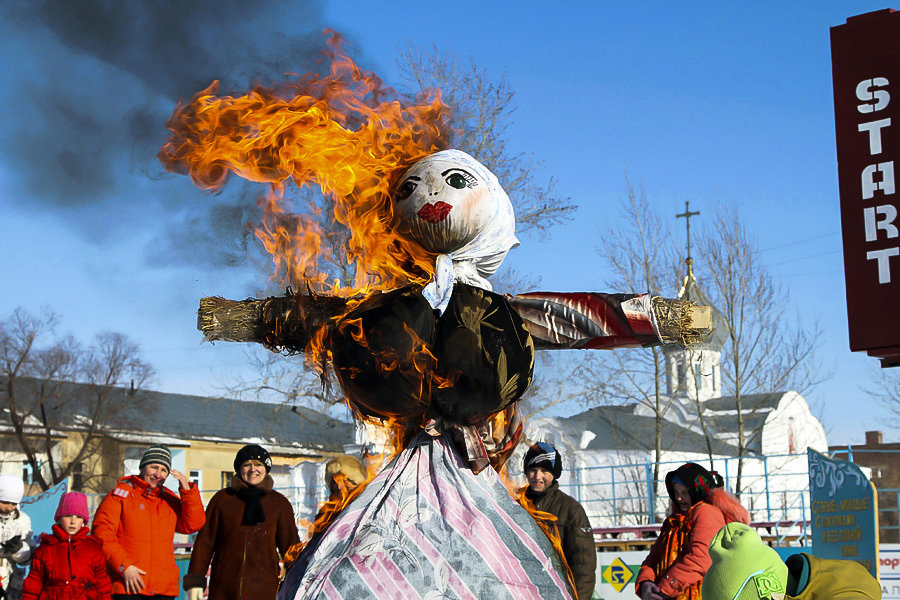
(679, 558)
(137, 522)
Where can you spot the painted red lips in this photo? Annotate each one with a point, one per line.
(435, 213)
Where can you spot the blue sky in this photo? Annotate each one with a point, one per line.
(707, 102)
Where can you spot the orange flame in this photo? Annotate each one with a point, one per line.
(328, 511)
(343, 491)
(547, 522)
(344, 132)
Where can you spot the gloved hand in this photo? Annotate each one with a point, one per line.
(195, 593)
(11, 546)
(650, 591)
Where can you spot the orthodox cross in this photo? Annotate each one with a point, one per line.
(687, 214)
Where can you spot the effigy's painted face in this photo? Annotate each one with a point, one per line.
(442, 204)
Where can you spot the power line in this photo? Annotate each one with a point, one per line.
(803, 241)
(784, 262)
(831, 272)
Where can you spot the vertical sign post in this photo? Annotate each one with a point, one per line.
(865, 58)
(844, 511)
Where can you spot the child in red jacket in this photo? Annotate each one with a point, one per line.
(69, 563)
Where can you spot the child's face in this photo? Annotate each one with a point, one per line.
(539, 479)
(71, 524)
(7, 507)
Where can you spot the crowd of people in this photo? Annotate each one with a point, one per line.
(706, 549)
(127, 552)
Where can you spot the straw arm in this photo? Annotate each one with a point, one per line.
(281, 323)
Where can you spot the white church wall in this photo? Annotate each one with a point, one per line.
(613, 485)
(791, 428)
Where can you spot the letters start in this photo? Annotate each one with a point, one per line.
(878, 176)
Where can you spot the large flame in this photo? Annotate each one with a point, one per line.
(344, 132)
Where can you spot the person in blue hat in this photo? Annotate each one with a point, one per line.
(543, 467)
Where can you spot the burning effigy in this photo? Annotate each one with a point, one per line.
(417, 338)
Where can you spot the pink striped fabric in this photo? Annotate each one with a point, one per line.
(428, 527)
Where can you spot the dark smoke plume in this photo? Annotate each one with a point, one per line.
(87, 87)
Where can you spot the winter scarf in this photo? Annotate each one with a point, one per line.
(252, 499)
(674, 532)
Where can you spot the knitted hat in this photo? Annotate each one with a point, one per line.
(12, 488)
(349, 466)
(545, 456)
(73, 503)
(743, 567)
(698, 481)
(252, 452)
(157, 454)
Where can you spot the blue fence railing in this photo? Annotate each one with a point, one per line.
(773, 488)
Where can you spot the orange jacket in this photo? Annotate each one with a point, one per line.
(693, 561)
(137, 526)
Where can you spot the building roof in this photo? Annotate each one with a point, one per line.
(619, 428)
(749, 402)
(195, 418)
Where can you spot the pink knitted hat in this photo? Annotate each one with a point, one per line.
(73, 503)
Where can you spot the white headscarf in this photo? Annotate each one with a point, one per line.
(482, 256)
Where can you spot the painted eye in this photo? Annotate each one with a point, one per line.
(456, 180)
(406, 189)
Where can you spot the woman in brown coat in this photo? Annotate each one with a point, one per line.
(245, 524)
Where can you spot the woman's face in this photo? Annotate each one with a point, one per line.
(154, 474)
(252, 472)
(680, 497)
(442, 204)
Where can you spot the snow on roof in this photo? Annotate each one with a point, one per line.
(619, 428)
(147, 414)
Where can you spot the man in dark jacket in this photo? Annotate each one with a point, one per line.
(543, 466)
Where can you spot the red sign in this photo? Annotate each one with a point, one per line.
(865, 59)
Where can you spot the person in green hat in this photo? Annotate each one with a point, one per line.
(745, 568)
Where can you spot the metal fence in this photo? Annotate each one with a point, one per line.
(774, 489)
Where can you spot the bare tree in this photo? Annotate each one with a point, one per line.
(885, 387)
(639, 252)
(483, 108)
(768, 350)
(37, 369)
(286, 379)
